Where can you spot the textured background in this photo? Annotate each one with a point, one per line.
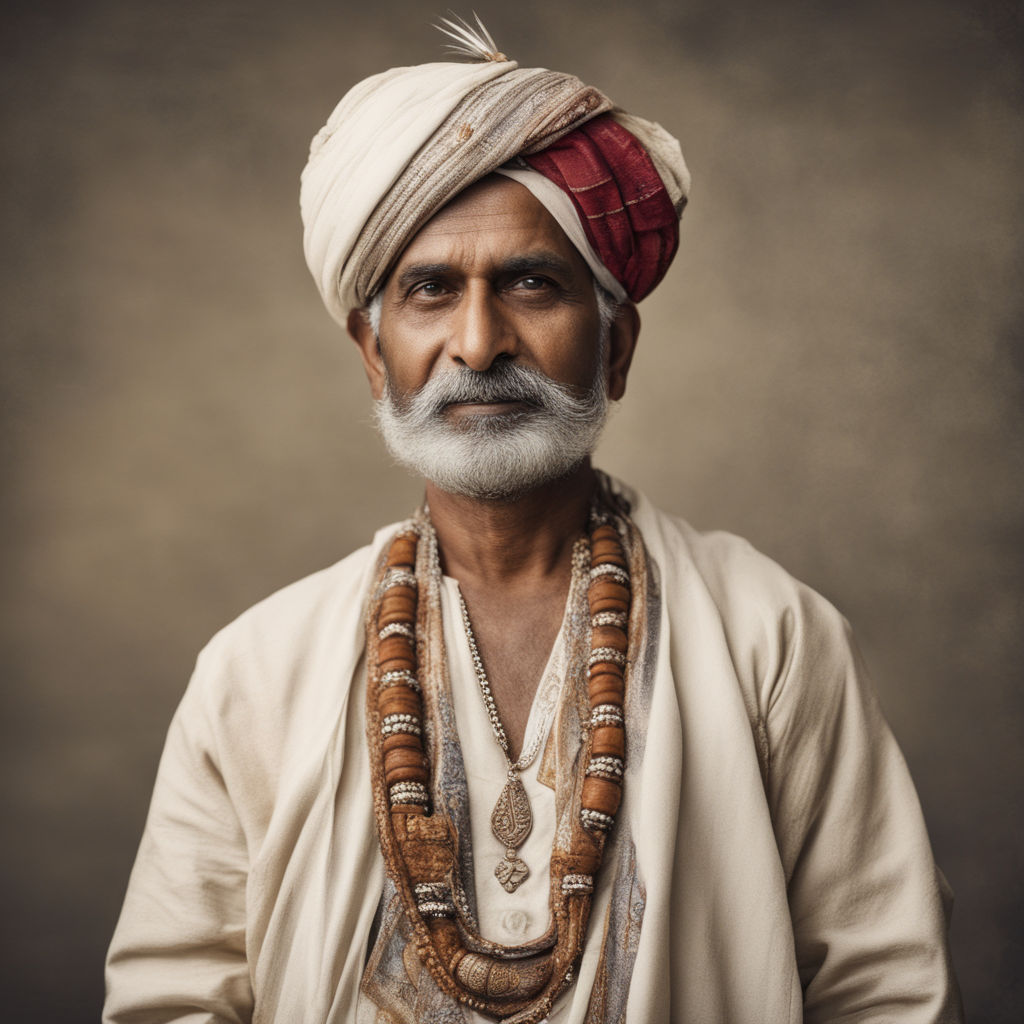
(833, 368)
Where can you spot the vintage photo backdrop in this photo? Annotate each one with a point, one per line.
(832, 369)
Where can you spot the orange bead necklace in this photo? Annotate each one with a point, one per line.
(509, 983)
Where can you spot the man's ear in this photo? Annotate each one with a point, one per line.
(362, 334)
(624, 331)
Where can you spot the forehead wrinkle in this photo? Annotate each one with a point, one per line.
(482, 230)
(502, 205)
(499, 227)
(541, 260)
(517, 263)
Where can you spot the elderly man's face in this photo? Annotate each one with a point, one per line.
(491, 353)
(490, 277)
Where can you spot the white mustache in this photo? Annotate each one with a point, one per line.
(503, 382)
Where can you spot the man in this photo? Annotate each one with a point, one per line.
(539, 752)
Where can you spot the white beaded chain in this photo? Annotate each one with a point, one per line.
(580, 561)
(527, 755)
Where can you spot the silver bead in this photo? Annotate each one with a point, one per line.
(616, 572)
(596, 821)
(397, 629)
(433, 899)
(397, 676)
(577, 883)
(392, 724)
(606, 654)
(620, 619)
(398, 578)
(606, 767)
(408, 793)
(606, 714)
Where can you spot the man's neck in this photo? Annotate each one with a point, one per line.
(528, 537)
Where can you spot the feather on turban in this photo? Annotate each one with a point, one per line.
(402, 144)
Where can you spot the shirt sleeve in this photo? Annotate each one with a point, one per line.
(869, 907)
(178, 953)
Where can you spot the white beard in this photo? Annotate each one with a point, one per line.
(494, 456)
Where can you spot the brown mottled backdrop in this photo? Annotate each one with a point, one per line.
(833, 369)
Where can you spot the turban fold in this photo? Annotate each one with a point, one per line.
(402, 144)
(619, 198)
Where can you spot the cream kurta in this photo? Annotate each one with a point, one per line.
(508, 918)
(786, 869)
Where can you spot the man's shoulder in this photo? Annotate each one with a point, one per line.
(720, 593)
(760, 607)
(289, 623)
(727, 565)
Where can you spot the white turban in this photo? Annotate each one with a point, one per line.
(402, 144)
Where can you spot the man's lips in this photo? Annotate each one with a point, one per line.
(489, 408)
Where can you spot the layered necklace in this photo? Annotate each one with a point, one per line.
(517, 984)
(512, 817)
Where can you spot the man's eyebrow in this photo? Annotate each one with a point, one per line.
(418, 271)
(542, 259)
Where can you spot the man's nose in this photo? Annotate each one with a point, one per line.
(480, 332)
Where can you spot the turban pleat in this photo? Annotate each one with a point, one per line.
(526, 108)
(622, 203)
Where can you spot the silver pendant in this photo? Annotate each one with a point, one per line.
(511, 871)
(511, 821)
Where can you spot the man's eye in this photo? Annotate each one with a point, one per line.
(532, 283)
(428, 289)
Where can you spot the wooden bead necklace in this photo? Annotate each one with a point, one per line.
(514, 984)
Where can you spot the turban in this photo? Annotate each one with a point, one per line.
(402, 144)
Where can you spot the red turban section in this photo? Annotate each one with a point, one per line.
(623, 205)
